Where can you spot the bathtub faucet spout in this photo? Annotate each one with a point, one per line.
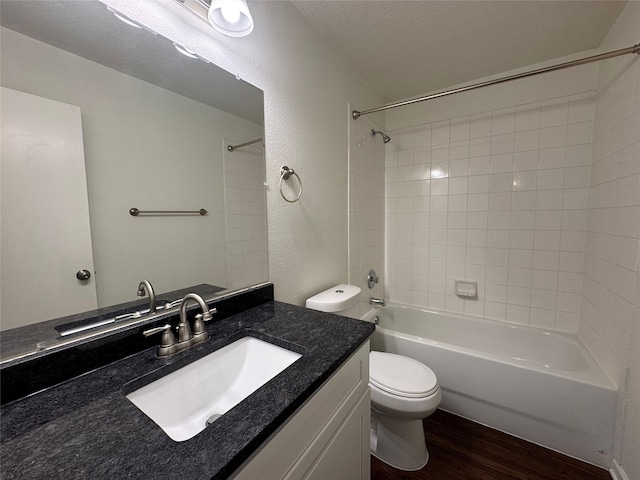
(377, 301)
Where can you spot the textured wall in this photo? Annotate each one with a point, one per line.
(307, 87)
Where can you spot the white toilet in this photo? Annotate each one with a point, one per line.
(403, 392)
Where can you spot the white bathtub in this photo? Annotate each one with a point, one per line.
(539, 385)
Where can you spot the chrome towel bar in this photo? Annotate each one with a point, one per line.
(231, 148)
(134, 212)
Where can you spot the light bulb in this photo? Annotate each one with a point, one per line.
(230, 13)
(230, 17)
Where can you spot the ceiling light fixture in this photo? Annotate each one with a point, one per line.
(230, 17)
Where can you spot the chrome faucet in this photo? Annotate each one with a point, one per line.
(377, 301)
(146, 288)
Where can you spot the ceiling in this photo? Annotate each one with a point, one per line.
(86, 28)
(406, 48)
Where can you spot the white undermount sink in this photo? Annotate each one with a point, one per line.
(186, 401)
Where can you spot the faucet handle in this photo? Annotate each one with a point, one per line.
(207, 316)
(168, 338)
(153, 331)
(167, 342)
(198, 325)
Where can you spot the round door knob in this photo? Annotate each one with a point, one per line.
(83, 275)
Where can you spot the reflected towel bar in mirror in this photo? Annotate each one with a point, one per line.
(134, 212)
(231, 148)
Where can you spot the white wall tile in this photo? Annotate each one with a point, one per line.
(422, 136)
(518, 314)
(440, 133)
(503, 197)
(580, 133)
(578, 155)
(543, 318)
(503, 121)
(552, 137)
(544, 279)
(480, 125)
(527, 117)
(552, 157)
(527, 160)
(554, 112)
(495, 310)
(581, 108)
(479, 151)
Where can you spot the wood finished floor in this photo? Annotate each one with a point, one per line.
(463, 450)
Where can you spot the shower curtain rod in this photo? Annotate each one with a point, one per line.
(574, 63)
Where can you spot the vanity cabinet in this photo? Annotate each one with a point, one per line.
(328, 437)
(264, 437)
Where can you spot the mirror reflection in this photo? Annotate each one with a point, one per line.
(98, 118)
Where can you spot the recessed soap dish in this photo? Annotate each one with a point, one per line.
(466, 288)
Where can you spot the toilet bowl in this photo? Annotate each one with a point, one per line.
(403, 392)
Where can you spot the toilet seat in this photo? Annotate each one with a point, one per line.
(401, 376)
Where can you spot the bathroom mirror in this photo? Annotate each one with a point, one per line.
(154, 126)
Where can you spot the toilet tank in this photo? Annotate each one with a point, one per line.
(335, 299)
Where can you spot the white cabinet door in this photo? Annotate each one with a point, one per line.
(346, 456)
(44, 220)
(327, 438)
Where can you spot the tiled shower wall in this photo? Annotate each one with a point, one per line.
(610, 314)
(246, 213)
(366, 211)
(609, 292)
(499, 198)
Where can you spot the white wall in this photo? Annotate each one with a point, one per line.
(491, 186)
(610, 316)
(145, 147)
(307, 87)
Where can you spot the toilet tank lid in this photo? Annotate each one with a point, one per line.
(335, 299)
(401, 375)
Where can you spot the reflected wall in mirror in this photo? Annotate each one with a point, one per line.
(150, 128)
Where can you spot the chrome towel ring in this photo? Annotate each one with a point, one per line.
(285, 174)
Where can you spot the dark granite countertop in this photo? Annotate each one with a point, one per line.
(87, 428)
(24, 340)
